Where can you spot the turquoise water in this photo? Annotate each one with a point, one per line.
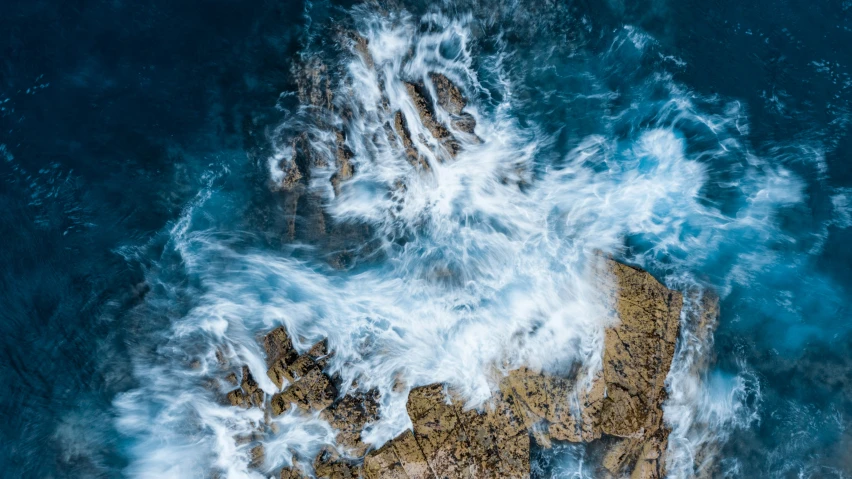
(142, 229)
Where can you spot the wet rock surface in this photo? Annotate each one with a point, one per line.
(617, 409)
(450, 98)
(620, 408)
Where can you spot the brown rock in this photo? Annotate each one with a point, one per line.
(257, 455)
(623, 403)
(349, 415)
(292, 473)
(343, 160)
(280, 355)
(638, 352)
(384, 463)
(248, 394)
(328, 464)
(362, 46)
(418, 95)
(319, 353)
(411, 457)
(313, 84)
(401, 128)
(450, 98)
(312, 392)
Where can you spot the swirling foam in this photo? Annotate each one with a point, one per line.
(487, 257)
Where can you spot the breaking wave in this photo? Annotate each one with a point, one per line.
(479, 263)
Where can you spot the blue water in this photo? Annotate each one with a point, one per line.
(140, 229)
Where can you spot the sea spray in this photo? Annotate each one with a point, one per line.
(484, 257)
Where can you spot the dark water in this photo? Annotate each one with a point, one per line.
(117, 114)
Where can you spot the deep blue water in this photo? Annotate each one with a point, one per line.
(115, 115)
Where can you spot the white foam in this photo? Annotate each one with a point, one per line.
(496, 270)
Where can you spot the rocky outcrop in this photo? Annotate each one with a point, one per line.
(425, 111)
(450, 98)
(620, 408)
(411, 154)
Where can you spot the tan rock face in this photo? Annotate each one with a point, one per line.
(411, 154)
(622, 407)
(418, 94)
(450, 98)
(638, 352)
(349, 415)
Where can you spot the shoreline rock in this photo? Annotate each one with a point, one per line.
(621, 409)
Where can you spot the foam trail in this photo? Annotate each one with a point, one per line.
(487, 257)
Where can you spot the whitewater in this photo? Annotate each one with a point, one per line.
(480, 263)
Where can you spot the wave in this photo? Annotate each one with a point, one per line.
(483, 254)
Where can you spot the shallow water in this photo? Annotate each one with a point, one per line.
(143, 229)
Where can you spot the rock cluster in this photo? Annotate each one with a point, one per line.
(621, 409)
(428, 97)
(618, 412)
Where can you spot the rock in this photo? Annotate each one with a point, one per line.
(418, 95)
(411, 457)
(448, 441)
(349, 415)
(248, 394)
(343, 160)
(312, 392)
(313, 84)
(362, 46)
(401, 128)
(257, 455)
(450, 98)
(621, 409)
(329, 464)
(384, 463)
(638, 352)
(292, 473)
(280, 355)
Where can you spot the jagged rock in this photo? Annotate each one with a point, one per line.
(257, 455)
(384, 463)
(312, 392)
(637, 458)
(362, 46)
(291, 367)
(420, 97)
(411, 456)
(638, 352)
(343, 157)
(280, 355)
(291, 473)
(621, 408)
(329, 464)
(448, 441)
(313, 84)
(349, 415)
(248, 394)
(450, 98)
(401, 128)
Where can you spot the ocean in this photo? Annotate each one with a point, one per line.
(146, 235)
